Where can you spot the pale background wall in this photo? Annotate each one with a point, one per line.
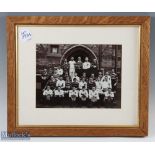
(3, 76)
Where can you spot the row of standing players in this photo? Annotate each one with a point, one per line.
(79, 84)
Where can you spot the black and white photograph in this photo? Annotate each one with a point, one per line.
(78, 75)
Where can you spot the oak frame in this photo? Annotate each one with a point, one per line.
(143, 21)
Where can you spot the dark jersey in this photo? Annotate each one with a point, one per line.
(75, 84)
(94, 65)
(90, 85)
(68, 85)
(52, 84)
(65, 67)
(79, 65)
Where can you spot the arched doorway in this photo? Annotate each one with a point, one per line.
(78, 51)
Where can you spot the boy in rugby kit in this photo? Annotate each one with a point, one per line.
(93, 96)
(59, 95)
(73, 95)
(72, 67)
(48, 94)
(83, 95)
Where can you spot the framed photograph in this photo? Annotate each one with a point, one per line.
(78, 75)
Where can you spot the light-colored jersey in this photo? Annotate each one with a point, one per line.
(98, 85)
(60, 83)
(83, 92)
(72, 64)
(81, 84)
(71, 92)
(48, 92)
(59, 71)
(59, 93)
(106, 85)
(86, 65)
(93, 94)
(77, 78)
(107, 94)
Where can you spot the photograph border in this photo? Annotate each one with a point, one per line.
(91, 130)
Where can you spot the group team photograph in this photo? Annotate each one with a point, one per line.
(78, 76)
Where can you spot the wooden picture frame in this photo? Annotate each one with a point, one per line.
(141, 130)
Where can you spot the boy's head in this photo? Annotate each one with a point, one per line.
(92, 74)
(86, 59)
(98, 79)
(45, 70)
(106, 78)
(91, 79)
(83, 79)
(93, 88)
(48, 87)
(67, 78)
(72, 58)
(66, 74)
(109, 90)
(107, 73)
(60, 78)
(52, 78)
(74, 88)
(94, 60)
(84, 73)
(79, 58)
(100, 73)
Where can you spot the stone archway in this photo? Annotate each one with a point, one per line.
(76, 51)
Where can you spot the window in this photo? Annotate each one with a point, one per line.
(54, 49)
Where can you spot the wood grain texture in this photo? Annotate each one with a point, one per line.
(144, 22)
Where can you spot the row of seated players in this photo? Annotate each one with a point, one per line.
(100, 83)
(99, 80)
(81, 97)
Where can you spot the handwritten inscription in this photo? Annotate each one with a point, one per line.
(25, 35)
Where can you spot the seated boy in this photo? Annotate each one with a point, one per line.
(76, 77)
(93, 96)
(109, 97)
(83, 94)
(84, 75)
(52, 83)
(59, 95)
(75, 84)
(92, 76)
(82, 83)
(59, 71)
(73, 95)
(47, 93)
(105, 84)
(60, 83)
(91, 84)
